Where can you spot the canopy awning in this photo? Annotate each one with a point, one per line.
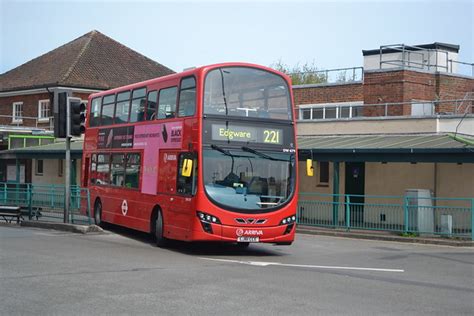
(385, 148)
(50, 151)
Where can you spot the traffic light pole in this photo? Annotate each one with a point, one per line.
(67, 172)
(73, 126)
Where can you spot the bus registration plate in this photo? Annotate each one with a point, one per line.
(248, 239)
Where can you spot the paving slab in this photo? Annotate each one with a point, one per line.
(381, 235)
(74, 228)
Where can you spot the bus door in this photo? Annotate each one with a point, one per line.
(186, 188)
(173, 215)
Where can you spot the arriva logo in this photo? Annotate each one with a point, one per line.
(248, 232)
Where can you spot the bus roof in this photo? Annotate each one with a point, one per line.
(186, 73)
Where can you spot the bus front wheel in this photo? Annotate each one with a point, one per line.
(161, 241)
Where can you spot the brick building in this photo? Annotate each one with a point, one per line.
(403, 121)
(403, 86)
(28, 93)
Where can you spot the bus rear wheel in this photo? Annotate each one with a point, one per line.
(160, 240)
(98, 213)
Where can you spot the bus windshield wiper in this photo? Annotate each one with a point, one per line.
(260, 154)
(222, 150)
(227, 152)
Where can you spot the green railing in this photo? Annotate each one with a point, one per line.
(47, 202)
(449, 217)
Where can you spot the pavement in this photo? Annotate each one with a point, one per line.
(73, 228)
(384, 235)
(45, 272)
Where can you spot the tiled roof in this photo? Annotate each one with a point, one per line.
(92, 61)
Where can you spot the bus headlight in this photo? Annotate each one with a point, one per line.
(288, 220)
(207, 218)
(206, 221)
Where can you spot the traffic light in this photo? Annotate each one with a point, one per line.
(60, 112)
(77, 117)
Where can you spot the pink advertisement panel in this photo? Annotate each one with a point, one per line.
(151, 138)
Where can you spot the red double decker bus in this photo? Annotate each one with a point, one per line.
(208, 154)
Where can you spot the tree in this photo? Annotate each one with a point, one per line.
(307, 73)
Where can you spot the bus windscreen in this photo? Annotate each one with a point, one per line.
(246, 92)
(248, 180)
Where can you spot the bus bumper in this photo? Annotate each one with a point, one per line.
(274, 234)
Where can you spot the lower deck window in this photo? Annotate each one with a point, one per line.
(132, 171)
(119, 170)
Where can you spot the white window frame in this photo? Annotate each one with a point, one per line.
(323, 106)
(431, 104)
(15, 118)
(42, 118)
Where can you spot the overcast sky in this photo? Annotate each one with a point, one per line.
(181, 34)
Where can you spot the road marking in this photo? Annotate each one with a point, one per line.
(265, 264)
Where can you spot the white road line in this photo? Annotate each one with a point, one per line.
(264, 264)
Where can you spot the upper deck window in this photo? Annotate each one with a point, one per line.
(122, 109)
(187, 97)
(137, 110)
(108, 110)
(151, 105)
(246, 92)
(167, 103)
(94, 115)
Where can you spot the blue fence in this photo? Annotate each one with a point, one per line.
(450, 217)
(47, 201)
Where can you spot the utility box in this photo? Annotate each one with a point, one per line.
(447, 225)
(420, 210)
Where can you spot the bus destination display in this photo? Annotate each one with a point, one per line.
(250, 134)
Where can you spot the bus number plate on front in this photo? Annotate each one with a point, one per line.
(248, 239)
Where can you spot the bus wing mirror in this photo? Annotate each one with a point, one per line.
(187, 167)
(309, 167)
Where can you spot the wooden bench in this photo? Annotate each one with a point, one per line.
(10, 212)
(35, 212)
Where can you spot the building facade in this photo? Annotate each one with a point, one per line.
(29, 96)
(404, 92)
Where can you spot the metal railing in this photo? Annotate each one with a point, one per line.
(339, 75)
(408, 109)
(448, 217)
(413, 57)
(27, 122)
(420, 58)
(47, 202)
(461, 67)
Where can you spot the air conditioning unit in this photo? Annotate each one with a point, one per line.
(420, 210)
